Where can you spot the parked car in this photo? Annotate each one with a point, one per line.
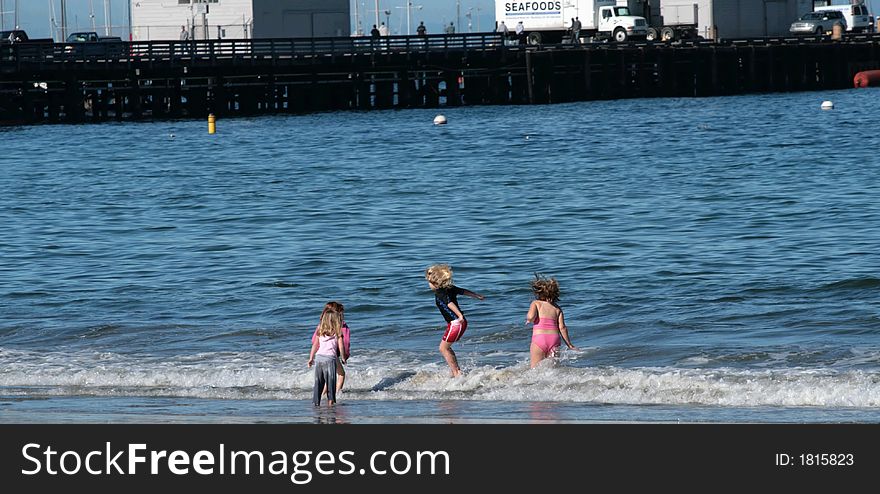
(858, 18)
(817, 23)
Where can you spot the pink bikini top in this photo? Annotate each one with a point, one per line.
(546, 325)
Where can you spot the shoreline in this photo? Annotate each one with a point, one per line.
(78, 409)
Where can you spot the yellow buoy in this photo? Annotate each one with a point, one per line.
(212, 123)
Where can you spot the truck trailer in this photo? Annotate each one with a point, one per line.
(550, 21)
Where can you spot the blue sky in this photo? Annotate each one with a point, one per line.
(34, 14)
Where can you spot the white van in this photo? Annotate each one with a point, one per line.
(858, 18)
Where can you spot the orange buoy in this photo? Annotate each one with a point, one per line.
(867, 78)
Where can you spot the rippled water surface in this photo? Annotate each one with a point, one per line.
(718, 260)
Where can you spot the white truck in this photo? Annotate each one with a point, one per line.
(858, 16)
(549, 21)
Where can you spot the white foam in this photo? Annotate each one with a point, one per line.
(255, 375)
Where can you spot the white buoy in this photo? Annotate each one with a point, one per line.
(439, 120)
(827, 105)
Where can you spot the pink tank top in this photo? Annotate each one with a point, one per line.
(327, 345)
(346, 338)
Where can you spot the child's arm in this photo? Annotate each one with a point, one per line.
(454, 308)
(340, 342)
(313, 352)
(563, 330)
(471, 294)
(532, 316)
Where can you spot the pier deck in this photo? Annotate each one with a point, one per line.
(188, 79)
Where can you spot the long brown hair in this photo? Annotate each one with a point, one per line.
(334, 306)
(546, 289)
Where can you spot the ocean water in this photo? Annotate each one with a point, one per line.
(718, 260)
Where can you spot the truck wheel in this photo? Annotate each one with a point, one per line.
(667, 34)
(534, 38)
(652, 34)
(620, 35)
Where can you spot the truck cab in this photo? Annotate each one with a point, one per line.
(83, 37)
(858, 16)
(20, 36)
(90, 44)
(619, 24)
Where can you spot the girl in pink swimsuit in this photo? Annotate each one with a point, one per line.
(549, 328)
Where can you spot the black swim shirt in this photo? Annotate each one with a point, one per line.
(443, 296)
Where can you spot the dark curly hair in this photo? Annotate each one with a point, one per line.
(546, 289)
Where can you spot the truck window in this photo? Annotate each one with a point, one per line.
(606, 14)
(620, 11)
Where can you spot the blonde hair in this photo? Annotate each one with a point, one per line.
(546, 289)
(439, 275)
(331, 323)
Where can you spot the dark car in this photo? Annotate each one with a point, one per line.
(818, 23)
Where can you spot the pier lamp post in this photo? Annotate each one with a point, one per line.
(108, 24)
(388, 20)
(409, 7)
(357, 20)
(377, 13)
(63, 20)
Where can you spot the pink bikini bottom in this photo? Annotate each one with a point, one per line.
(547, 340)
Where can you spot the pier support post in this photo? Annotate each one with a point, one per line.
(73, 101)
(362, 90)
(175, 97)
(453, 88)
(588, 77)
(431, 91)
(26, 102)
(530, 90)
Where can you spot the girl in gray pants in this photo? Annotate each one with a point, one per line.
(325, 351)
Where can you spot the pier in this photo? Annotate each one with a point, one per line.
(69, 83)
